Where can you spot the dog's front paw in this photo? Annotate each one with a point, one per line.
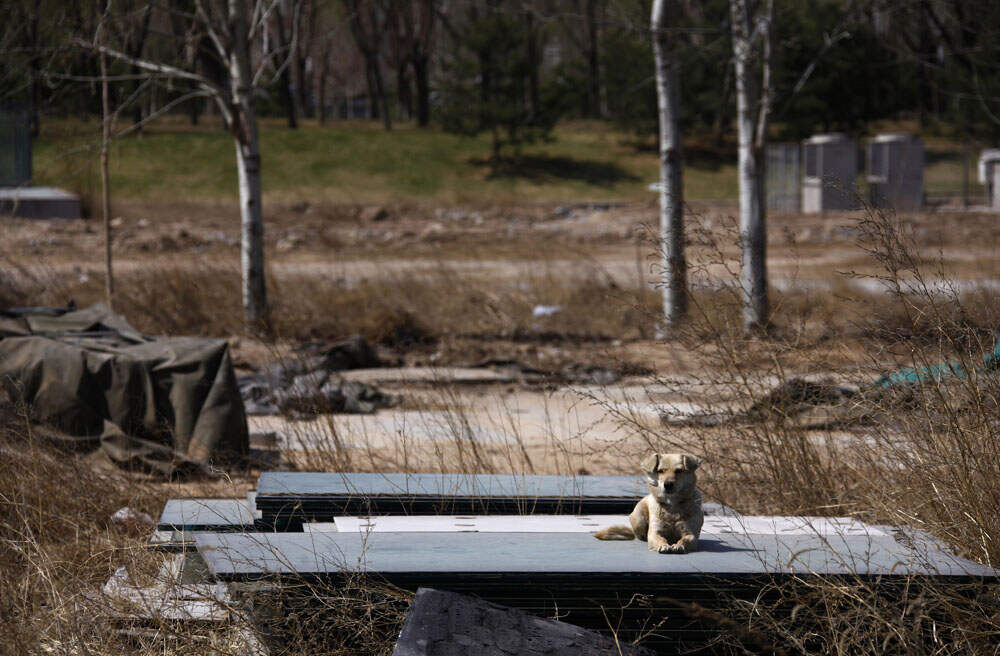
(672, 549)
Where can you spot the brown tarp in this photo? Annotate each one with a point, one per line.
(94, 381)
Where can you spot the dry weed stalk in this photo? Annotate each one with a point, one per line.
(923, 453)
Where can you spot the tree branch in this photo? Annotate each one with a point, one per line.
(153, 67)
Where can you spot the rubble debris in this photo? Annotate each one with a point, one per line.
(311, 394)
(431, 376)
(545, 310)
(797, 401)
(796, 395)
(309, 385)
(132, 520)
(351, 353)
(585, 374)
(441, 623)
(590, 375)
(374, 214)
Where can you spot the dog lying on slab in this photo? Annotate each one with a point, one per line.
(670, 516)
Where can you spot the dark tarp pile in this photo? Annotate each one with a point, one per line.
(94, 381)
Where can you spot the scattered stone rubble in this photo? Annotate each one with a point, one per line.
(309, 384)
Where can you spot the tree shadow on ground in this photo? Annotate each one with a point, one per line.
(699, 152)
(935, 156)
(543, 168)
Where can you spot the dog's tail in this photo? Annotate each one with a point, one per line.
(615, 533)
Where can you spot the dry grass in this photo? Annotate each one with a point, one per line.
(925, 455)
(57, 544)
(390, 309)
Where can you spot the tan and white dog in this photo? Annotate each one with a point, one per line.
(670, 517)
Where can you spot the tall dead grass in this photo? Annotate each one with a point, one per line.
(57, 543)
(923, 453)
(202, 298)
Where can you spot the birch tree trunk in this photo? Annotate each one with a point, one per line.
(248, 165)
(674, 264)
(109, 277)
(752, 118)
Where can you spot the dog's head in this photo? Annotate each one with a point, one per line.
(671, 474)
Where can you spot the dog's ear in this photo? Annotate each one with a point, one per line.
(650, 464)
(689, 462)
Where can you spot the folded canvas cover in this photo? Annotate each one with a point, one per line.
(94, 381)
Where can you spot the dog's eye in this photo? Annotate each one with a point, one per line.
(678, 471)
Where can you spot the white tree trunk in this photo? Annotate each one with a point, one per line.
(673, 264)
(109, 276)
(248, 164)
(752, 138)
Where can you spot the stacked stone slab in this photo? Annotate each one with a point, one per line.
(543, 565)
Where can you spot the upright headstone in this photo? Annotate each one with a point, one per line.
(15, 148)
(783, 173)
(896, 171)
(989, 167)
(831, 169)
(17, 198)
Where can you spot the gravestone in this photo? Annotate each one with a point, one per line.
(896, 171)
(783, 174)
(16, 197)
(831, 168)
(989, 172)
(15, 148)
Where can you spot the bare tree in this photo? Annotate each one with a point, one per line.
(293, 30)
(412, 26)
(591, 9)
(369, 21)
(323, 54)
(534, 34)
(109, 278)
(131, 30)
(674, 264)
(588, 41)
(751, 29)
(229, 27)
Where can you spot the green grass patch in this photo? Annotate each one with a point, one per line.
(358, 163)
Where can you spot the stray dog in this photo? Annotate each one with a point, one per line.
(670, 517)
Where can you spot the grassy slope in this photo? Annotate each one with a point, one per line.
(358, 162)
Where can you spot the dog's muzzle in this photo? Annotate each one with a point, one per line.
(668, 486)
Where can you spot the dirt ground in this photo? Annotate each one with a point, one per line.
(552, 427)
